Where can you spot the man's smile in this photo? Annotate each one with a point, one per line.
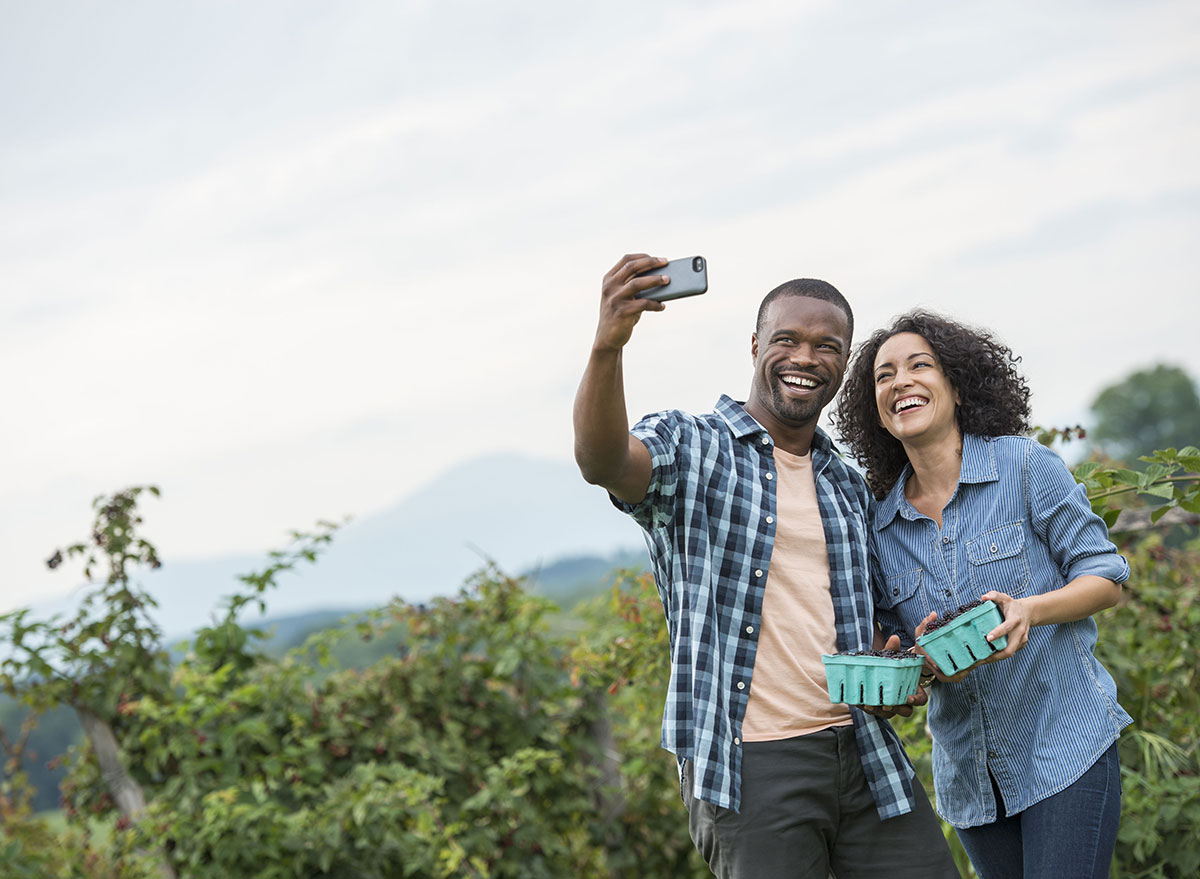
(799, 383)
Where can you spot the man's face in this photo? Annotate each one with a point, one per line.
(799, 358)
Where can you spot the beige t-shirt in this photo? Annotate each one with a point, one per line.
(788, 694)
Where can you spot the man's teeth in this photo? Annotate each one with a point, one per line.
(909, 403)
(799, 380)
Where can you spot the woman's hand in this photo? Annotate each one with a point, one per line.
(931, 667)
(1017, 621)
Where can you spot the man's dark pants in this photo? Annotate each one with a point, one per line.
(807, 813)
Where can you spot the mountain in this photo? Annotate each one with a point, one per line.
(517, 511)
(574, 578)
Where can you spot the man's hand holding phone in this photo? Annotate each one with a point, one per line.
(621, 307)
(640, 283)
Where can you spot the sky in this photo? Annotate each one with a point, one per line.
(291, 260)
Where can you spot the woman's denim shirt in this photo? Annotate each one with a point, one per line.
(1017, 523)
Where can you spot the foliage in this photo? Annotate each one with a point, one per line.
(1149, 644)
(1172, 479)
(1154, 408)
(481, 741)
(624, 652)
(111, 646)
(462, 755)
(32, 848)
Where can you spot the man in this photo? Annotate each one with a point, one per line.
(758, 536)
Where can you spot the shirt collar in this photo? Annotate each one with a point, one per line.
(979, 460)
(742, 423)
(978, 465)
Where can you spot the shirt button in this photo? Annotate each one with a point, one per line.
(741, 685)
(993, 754)
(772, 476)
(945, 540)
(750, 630)
(758, 572)
(895, 590)
(949, 594)
(995, 548)
(766, 441)
(736, 740)
(770, 519)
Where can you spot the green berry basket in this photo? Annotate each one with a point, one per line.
(863, 679)
(962, 641)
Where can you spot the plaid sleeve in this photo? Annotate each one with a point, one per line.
(661, 434)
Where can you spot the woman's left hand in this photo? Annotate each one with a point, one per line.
(1016, 624)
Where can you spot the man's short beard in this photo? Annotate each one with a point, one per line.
(801, 412)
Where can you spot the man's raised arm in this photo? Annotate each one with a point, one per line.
(605, 451)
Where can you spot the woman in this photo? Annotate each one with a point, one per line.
(1024, 755)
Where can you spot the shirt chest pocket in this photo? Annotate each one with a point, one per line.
(899, 588)
(997, 561)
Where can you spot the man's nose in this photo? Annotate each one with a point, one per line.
(803, 355)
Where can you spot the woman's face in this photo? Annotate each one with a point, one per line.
(914, 398)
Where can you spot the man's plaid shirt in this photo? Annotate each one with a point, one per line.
(708, 517)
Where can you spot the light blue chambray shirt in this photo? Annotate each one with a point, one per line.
(709, 522)
(1017, 523)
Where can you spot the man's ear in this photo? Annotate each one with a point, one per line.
(754, 347)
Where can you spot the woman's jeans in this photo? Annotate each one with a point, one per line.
(1070, 835)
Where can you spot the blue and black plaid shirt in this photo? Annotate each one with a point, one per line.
(709, 518)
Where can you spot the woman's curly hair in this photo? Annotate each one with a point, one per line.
(994, 395)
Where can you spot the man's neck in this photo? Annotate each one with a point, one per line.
(794, 438)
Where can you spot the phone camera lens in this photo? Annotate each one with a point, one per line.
(698, 264)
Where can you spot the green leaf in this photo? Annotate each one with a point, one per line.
(1161, 489)
(1128, 477)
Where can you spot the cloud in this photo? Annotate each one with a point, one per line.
(303, 258)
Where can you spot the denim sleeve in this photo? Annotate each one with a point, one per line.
(661, 434)
(1063, 518)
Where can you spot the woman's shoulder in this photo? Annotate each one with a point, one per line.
(1020, 448)
(1026, 459)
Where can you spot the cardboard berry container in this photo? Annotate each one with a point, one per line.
(856, 679)
(962, 642)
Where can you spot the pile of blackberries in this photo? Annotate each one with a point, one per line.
(885, 654)
(943, 620)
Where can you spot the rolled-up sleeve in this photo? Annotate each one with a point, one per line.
(1063, 517)
(660, 434)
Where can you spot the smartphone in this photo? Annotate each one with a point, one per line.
(689, 277)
